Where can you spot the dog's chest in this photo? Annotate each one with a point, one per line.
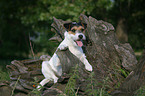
(77, 51)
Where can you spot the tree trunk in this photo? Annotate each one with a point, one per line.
(121, 31)
(110, 59)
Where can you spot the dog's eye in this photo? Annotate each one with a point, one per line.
(82, 30)
(73, 30)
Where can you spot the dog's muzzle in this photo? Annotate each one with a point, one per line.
(79, 39)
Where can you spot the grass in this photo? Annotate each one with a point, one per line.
(4, 75)
(70, 87)
(92, 91)
(3, 71)
(140, 91)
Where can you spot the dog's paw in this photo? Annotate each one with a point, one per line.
(38, 88)
(89, 67)
(55, 80)
(63, 47)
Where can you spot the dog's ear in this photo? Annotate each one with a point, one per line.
(68, 26)
(84, 25)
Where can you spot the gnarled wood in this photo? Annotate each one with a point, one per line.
(134, 81)
(104, 51)
(27, 70)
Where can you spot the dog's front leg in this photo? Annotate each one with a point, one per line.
(88, 66)
(63, 45)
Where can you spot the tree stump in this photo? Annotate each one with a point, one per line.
(110, 59)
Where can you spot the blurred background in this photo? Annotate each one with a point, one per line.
(25, 25)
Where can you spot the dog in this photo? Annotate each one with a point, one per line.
(73, 37)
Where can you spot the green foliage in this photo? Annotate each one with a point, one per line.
(13, 35)
(134, 20)
(19, 18)
(140, 92)
(104, 85)
(3, 71)
(71, 85)
(92, 88)
(124, 73)
(101, 8)
(4, 76)
(42, 45)
(36, 90)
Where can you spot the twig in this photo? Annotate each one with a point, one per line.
(77, 91)
(15, 85)
(31, 47)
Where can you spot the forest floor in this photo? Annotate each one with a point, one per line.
(4, 75)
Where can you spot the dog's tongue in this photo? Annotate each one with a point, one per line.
(79, 43)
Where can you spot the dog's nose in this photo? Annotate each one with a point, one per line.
(80, 36)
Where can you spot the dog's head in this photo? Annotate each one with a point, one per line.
(76, 32)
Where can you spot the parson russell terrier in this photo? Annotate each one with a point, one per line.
(73, 41)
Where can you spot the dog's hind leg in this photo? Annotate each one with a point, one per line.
(42, 83)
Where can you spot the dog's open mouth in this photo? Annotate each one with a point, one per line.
(79, 43)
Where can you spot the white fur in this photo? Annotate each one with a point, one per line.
(52, 69)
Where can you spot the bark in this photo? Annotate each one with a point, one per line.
(5, 89)
(134, 81)
(104, 52)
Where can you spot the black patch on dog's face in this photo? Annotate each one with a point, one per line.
(68, 26)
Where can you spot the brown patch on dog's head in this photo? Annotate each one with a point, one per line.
(74, 25)
(70, 32)
(77, 28)
(68, 26)
(81, 28)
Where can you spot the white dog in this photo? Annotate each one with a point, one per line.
(73, 41)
